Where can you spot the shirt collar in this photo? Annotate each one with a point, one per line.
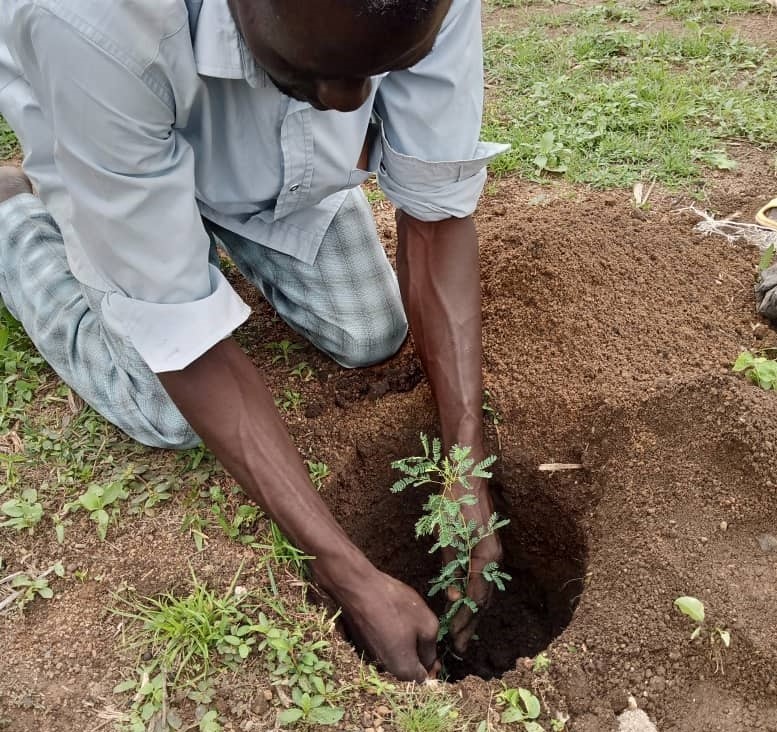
(219, 48)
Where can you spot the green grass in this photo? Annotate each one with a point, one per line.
(610, 107)
(22, 370)
(9, 145)
(712, 11)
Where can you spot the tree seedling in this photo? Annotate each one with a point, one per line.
(444, 518)
(760, 370)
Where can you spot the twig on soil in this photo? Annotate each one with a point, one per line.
(733, 230)
(555, 467)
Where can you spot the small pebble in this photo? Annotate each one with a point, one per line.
(767, 542)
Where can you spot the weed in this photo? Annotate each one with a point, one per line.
(371, 681)
(712, 11)
(310, 708)
(187, 634)
(541, 663)
(489, 410)
(693, 608)
(760, 370)
(23, 512)
(318, 473)
(443, 516)
(552, 156)
(522, 706)
(425, 711)
(766, 259)
(303, 371)
(9, 145)
(97, 500)
(151, 708)
(282, 350)
(22, 370)
(374, 193)
(282, 551)
(244, 518)
(612, 107)
(195, 525)
(21, 588)
(291, 401)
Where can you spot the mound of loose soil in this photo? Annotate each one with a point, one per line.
(609, 335)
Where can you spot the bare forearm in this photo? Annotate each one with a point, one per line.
(226, 401)
(440, 281)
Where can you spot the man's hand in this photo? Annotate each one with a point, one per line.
(479, 590)
(226, 401)
(13, 182)
(393, 624)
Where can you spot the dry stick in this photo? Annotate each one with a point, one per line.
(554, 467)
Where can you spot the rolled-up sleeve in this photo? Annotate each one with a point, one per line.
(130, 179)
(433, 163)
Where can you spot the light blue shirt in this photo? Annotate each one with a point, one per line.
(138, 117)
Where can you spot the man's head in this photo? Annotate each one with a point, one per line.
(324, 51)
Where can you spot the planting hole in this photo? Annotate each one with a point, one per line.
(545, 552)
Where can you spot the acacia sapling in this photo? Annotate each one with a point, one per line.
(443, 517)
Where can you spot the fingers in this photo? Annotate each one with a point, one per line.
(427, 647)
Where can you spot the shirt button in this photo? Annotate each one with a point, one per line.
(294, 188)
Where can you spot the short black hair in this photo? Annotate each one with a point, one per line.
(400, 9)
(406, 10)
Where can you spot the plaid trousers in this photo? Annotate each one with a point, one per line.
(347, 303)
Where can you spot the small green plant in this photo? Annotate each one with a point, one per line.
(187, 634)
(292, 659)
(425, 710)
(22, 370)
(693, 608)
(489, 410)
(303, 371)
(21, 588)
(23, 512)
(96, 501)
(282, 350)
(760, 370)
(291, 401)
(240, 525)
(552, 156)
(318, 473)
(371, 681)
(719, 638)
(767, 258)
(443, 516)
(195, 525)
(541, 663)
(522, 706)
(310, 708)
